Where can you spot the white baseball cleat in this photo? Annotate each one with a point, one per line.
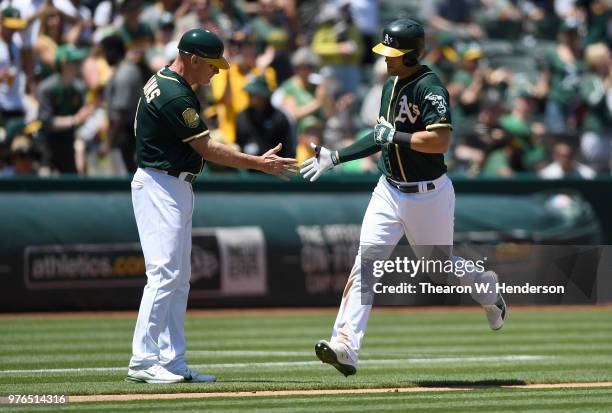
(192, 376)
(496, 313)
(154, 374)
(337, 356)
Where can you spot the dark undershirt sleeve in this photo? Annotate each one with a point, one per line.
(365, 146)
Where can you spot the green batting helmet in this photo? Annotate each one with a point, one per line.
(403, 37)
(204, 44)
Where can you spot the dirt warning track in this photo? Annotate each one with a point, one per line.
(271, 393)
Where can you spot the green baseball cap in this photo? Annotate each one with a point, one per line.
(204, 44)
(68, 53)
(11, 18)
(470, 51)
(258, 86)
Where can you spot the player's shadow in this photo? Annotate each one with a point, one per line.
(470, 383)
(270, 381)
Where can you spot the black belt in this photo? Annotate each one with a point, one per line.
(410, 188)
(185, 176)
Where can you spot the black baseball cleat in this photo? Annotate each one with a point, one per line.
(337, 357)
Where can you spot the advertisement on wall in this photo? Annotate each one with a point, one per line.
(227, 263)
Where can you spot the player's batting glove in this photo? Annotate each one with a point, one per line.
(383, 132)
(323, 161)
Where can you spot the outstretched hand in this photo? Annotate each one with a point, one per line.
(314, 167)
(273, 164)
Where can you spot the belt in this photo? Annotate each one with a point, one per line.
(412, 188)
(183, 176)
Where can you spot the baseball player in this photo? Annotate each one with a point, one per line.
(414, 197)
(172, 144)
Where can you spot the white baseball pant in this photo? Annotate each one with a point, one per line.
(163, 206)
(426, 219)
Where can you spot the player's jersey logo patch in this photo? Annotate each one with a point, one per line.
(407, 110)
(438, 102)
(191, 117)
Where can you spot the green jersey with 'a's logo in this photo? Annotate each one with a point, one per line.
(417, 103)
(167, 119)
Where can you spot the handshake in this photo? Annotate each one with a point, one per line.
(324, 159)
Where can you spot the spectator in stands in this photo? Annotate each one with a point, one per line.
(122, 94)
(370, 106)
(521, 124)
(540, 18)
(340, 46)
(455, 16)
(565, 164)
(23, 158)
(202, 13)
(105, 16)
(50, 36)
(78, 25)
(52, 25)
(30, 11)
(305, 94)
(137, 36)
(260, 127)
(559, 81)
(506, 160)
(96, 73)
(158, 55)
(228, 86)
(501, 19)
(12, 76)
(156, 14)
(472, 145)
(63, 108)
(596, 16)
(442, 56)
(310, 131)
(365, 15)
(272, 32)
(467, 85)
(596, 93)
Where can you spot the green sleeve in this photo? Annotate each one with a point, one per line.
(435, 110)
(183, 118)
(363, 147)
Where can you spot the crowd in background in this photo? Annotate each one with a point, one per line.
(530, 81)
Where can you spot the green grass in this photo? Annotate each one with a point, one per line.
(401, 349)
(485, 400)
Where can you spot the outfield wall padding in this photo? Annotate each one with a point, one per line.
(72, 244)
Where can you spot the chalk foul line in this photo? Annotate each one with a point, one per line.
(370, 362)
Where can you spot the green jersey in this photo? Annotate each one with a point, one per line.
(565, 78)
(417, 103)
(167, 119)
(593, 92)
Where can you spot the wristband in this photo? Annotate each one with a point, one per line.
(335, 158)
(402, 138)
